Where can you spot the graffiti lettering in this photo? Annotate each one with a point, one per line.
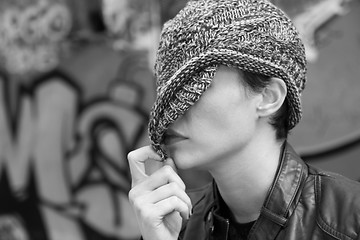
(79, 150)
(33, 32)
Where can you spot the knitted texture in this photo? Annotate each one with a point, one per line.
(251, 35)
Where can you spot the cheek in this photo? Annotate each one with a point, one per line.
(224, 131)
(223, 123)
(207, 120)
(186, 155)
(212, 139)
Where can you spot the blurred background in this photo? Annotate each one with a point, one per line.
(76, 86)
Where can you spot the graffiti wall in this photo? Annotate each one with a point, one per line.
(76, 86)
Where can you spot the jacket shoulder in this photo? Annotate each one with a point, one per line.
(338, 204)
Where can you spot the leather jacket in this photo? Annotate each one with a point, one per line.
(302, 203)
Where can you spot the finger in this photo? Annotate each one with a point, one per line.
(171, 204)
(170, 162)
(161, 177)
(137, 159)
(166, 191)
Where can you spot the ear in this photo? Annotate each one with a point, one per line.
(272, 97)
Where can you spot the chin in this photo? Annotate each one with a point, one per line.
(187, 156)
(187, 161)
(183, 164)
(183, 161)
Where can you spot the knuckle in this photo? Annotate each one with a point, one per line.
(147, 214)
(138, 205)
(168, 170)
(175, 187)
(174, 200)
(182, 186)
(131, 195)
(135, 199)
(131, 155)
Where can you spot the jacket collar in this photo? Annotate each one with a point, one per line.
(280, 203)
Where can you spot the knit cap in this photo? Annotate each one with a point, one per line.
(250, 35)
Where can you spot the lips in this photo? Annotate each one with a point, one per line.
(171, 137)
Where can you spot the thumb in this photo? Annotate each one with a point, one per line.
(137, 159)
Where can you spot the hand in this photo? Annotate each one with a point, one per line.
(159, 200)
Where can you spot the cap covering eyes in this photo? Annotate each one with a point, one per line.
(251, 35)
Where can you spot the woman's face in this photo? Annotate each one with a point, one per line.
(216, 127)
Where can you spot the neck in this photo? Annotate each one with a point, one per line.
(245, 178)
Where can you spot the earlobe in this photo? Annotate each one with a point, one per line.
(273, 96)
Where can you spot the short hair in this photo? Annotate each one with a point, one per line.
(279, 121)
